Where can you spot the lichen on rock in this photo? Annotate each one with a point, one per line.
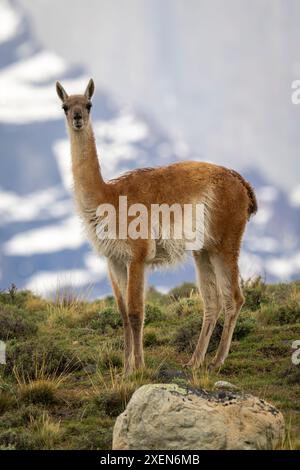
(168, 416)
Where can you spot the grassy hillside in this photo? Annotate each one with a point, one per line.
(62, 386)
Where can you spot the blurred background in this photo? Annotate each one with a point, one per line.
(176, 79)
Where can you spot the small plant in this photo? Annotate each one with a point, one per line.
(42, 388)
(201, 379)
(187, 335)
(155, 297)
(153, 313)
(45, 353)
(246, 323)
(93, 433)
(289, 441)
(14, 297)
(106, 320)
(113, 395)
(109, 357)
(36, 305)
(65, 309)
(150, 338)
(186, 306)
(184, 291)
(7, 401)
(281, 314)
(15, 324)
(255, 293)
(45, 431)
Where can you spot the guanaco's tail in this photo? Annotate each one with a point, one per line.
(252, 209)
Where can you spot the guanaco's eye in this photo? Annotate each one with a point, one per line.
(88, 106)
(65, 108)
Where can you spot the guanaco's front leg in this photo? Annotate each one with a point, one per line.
(118, 276)
(135, 308)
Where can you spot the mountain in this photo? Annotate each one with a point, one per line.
(42, 245)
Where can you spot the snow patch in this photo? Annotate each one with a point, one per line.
(124, 128)
(22, 101)
(9, 21)
(61, 149)
(295, 197)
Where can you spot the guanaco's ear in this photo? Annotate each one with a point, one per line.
(90, 89)
(62, 94)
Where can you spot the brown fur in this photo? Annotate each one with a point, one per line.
(229, 201)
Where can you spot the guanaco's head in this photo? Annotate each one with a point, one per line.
(77, 107)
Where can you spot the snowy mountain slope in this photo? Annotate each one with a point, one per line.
(218, 73)
(42, 245)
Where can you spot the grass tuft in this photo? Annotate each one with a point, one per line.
(42, 388)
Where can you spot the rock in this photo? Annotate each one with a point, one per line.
(223, 385)
(169, 417)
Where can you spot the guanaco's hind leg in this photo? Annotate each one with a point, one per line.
(118, 276)
(135, 308)
(227, 274)
(212, 304)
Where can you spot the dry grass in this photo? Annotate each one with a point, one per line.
(35, 304)
(289, 441)
(42, 387)
(202, 378)
(69, 307)
(45, 431)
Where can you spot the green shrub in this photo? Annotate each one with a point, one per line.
(110, 359)
(32, 355)
(91, 434)
(150, 338)
(106, 320)
(187, 335)
(111, 402)
(186, 306)
(41, 432)
(244, 326)
(15, 297)
(291, 376)
(14, 428)
(14, 439)
(155, 297)
(153, 313)
(284, 314)
(255, 293)
(185, 290)
(283, 292)
(19, 416)
(7, 401)
(110, 301)
(39, 391)
(14, 323)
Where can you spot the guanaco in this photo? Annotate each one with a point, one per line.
(228, 199)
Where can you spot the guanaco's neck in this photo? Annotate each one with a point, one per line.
(89, 186)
